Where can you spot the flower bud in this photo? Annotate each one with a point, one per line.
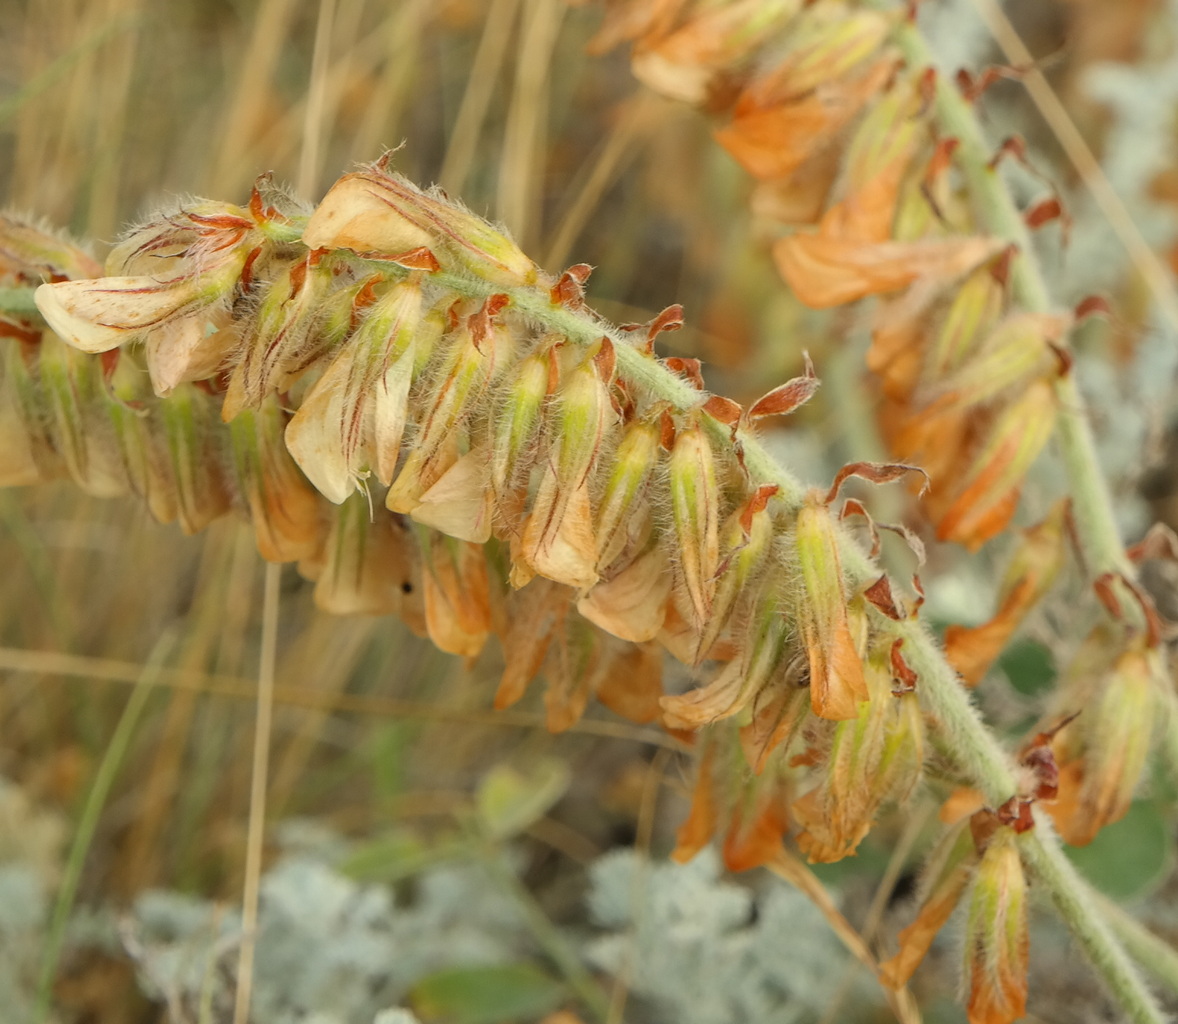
(1016, 352)
(695, 509)
(1103, 753)
(837, 682)
(685, 64)
(744, 545)
(1016, 437)
(518, 417)
(190, 431)
(275, 345)
(79, 429)
(977, 304)
(351, 422)
(945, 877)
(29, 253)
(558, 538)
(874, 757)
(376, 213)
(996, 940)
(479, 346)
(631, 465)
(1032, 569)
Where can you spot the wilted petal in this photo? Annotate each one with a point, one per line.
(96, 316)
(825, 271)
(461, 503)
(632, 605)
(946, 876)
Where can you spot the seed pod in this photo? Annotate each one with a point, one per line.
(837, 683)
(764, 649)
(695, 509)
(996, 940)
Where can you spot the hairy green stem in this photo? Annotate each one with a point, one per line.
(1155, 954)
(1092, 508)
(1073, 901)
(18, 302)
(1091, 503)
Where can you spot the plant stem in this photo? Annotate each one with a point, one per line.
(1091, 504)
(1156, 955)
(1092, 507)
(18, 302)
(1055, 873)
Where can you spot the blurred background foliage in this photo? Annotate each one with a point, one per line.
(426, 851)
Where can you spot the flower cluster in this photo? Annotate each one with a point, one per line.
(433, 426)
(840, 136)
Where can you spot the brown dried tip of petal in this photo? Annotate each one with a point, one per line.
(420, 258)
(876, 473)
(692, 369)
(1044, 212)
(1105, 586)
(756, 839)
(783, 400)
(633, 684)
(881, 596)
(902, 672)
(1093, 305)
(569, 290)
(1039, 756)
(757, 503)
(1159, 542)
(670, 319)
(723, 410)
